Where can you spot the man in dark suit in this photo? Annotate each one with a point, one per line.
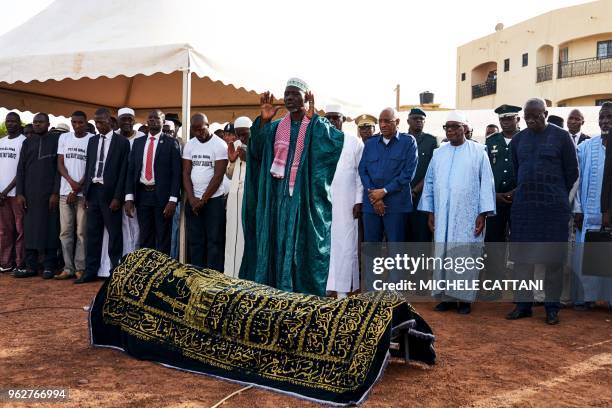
(153, 183)
(575, 120)
(104, 189)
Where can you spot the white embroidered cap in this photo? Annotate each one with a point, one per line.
(243, 122)
(298, 83)
(126, 111)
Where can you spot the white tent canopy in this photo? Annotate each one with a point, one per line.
(83, 54)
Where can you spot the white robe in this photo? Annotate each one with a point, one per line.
(591, 160)
(459, 186)
(234, 236)
(346, 191)
(130, 232)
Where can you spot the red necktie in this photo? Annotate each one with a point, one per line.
(149, 164)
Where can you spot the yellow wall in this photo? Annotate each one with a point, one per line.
(588, 100)
(585, 47)
(579, 28)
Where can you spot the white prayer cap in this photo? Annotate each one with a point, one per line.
(214, 127)
(456, 116)
(63, 127)
(125, 111)
(243, 122)
(169, 123)
(298, 83)
(334, 107)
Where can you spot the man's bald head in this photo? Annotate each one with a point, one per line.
(155, 121)
(576, 112)
(199, 127)
(390, 111)
(575, 120)
(535, 114)
(536, 103)
(199, 117)
(388, 120)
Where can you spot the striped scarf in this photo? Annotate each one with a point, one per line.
(281, 150)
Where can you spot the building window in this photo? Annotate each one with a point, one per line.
(563, 55)
(507, 65)
(600, 102)
(463, 76)
(604, 49)
(525, 59)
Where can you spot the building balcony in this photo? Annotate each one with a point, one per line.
(587, 66)
(489, 87)
(544, 73)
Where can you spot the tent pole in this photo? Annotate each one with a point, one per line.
(186, 116)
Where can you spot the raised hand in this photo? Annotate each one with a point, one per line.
(311, 104)
(268, 110)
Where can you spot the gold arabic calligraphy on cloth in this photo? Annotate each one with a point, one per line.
(237, 324)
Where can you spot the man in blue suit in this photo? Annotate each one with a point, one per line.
(104, 189)
(387, 166)
(153, 183)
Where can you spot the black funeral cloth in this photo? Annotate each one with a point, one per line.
(321, 349)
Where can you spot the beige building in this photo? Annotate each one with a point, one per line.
(563, 56)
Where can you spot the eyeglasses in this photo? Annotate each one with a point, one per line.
(451, 127)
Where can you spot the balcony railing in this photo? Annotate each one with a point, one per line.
(586, 66)
(544, 73)
(489, 87)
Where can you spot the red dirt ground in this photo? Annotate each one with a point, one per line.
(483, 360)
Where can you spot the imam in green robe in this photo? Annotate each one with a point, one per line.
(287, 237)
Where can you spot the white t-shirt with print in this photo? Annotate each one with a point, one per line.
(74, 150)
(203, 157)
(10, 149)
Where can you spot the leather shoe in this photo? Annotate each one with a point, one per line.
(24, 273)
(464, 308)
(444, 306)
(64, 275)
(518, 314)
(85, 279)
(47, 274)
(552, 318)
(78, 274)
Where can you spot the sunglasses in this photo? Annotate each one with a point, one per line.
(451, 127)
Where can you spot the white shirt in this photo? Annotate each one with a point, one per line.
(155, 142)
(74, 150)
(203, 157)
(10, 149)
(107, 142)
(576, 138)
(135, 136)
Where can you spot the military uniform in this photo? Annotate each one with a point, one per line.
(366, 121)
(498, 226)
(418, 230)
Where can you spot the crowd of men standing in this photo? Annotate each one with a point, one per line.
(100, 196)
(287, 202)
